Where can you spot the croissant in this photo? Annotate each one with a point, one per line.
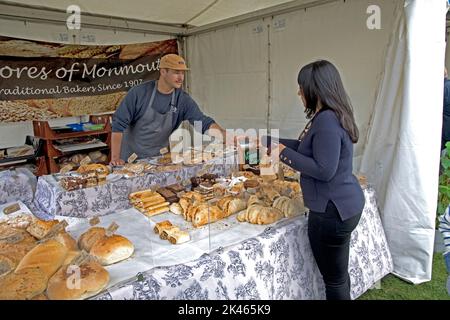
(235, 206)
(290, 207)
(269, 215)
(223, 203)
(258, 214)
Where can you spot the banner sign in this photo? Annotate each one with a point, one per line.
(40, 81)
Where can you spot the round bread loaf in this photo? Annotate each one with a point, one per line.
(109, 250)
(73, 282)
(90, 237)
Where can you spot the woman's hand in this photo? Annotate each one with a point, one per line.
(281, 147)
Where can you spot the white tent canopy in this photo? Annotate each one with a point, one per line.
(245, 55)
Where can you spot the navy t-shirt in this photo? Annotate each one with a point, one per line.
(135, 103)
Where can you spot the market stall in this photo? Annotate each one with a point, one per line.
(219, 228)
(244, 58)
(275, 264)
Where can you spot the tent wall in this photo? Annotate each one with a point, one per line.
(402, 154)
(245, 76)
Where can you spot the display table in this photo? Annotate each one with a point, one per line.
(51, 199)
(17, 185)
(276, 264)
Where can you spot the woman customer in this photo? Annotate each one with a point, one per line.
(323, 155)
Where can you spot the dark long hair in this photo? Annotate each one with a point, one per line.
(320, 81)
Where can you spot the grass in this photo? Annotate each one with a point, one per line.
(393, 288)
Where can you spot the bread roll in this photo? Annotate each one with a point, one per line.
(207, 215)
(39, 228)
(93, 279)
(109, 250)
(23, 284)
(47, 256)
(90, 237)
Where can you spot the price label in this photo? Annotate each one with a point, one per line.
(111, 229)
(94, 221)
(132, 158)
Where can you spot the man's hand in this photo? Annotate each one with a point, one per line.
(117, 162)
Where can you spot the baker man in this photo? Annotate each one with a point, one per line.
(151, 111)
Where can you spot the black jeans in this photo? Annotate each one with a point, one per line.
(330, 243)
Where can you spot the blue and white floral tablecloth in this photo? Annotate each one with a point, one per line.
(277, 264)
(17, 185)
(51, 199)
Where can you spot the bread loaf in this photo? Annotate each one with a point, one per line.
(23, 284)
(47, 256)
(110, 250)
(39, 228)
(93, 279)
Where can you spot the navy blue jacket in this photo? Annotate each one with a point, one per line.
(324, 158)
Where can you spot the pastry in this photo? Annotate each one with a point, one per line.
(179, 237)
(160, 226)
